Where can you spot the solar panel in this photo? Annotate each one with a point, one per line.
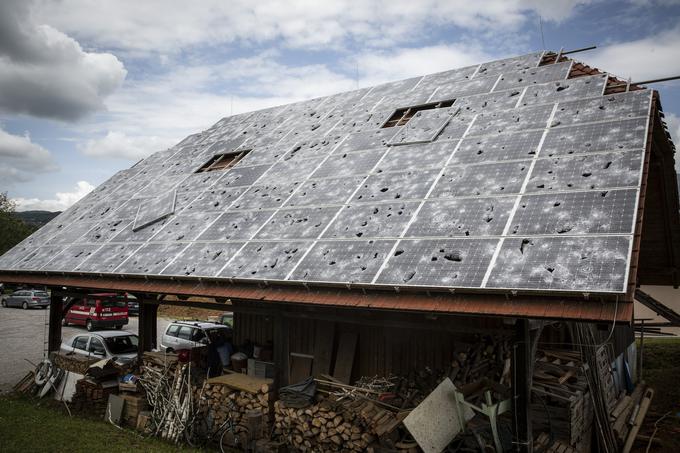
(371, 220)
(458, 263)
(462, 217)
(527, 180)
(590, 264)
(575, 213)
(343, 261)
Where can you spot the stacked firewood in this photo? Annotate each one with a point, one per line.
(337, 424)
(73, 362)
(248, 410)
(91, 397)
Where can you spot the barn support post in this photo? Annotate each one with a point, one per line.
(56, 315)
(281, 349)
(521, 387)
(148, 321)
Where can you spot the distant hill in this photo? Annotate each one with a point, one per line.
(36, 218)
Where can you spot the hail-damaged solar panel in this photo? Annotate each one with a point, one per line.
(154, 209)
(575, 213)
(439, 263)
(508, 175)
(423, 127)
(462, 217)
(590, 264)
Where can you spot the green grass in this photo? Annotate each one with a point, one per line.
(27, 427)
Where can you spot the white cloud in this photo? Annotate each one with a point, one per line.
(117, 144)
(21, 159)
(651, 57)
(137, 27)
(45, 73)
(61, 201)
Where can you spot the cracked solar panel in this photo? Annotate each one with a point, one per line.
(185, 227)
(107, 258)
(302, 223)
(610, 136)
(214, 199)
(606, 108)
(103, 232)
(604, 212)
(150, 259)
(533, 117)
(202, 259)
(477, 85)
(153, 210)
(422, 127)
(266, 196)
(265, 260)
(458, 263)
(235, 225)
(325, 191)
(510, 64)
(394, 186)
(486, 179)
(514, 146)
(501, 100)
(462, 217)
(343, 261)
(533, 76)
(70, 257)
(370, 139)
(35, 258)
(349, 164)
(417, 156)
(595, 171)
(565, 90)
(365, 220)
(586, 264)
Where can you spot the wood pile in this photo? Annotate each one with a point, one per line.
(543, 444)
(91, 397)
(134, 404)
(625, 416)
(561, 403)
(335, 424)
(246, 400)
(73, 362)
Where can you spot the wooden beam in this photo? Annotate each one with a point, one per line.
(147, 327)
(281, 350)
(521, 387)
(56, 315)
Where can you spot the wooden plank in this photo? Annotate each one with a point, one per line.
(240, 381)
(323, 347)
(344, 360)
(300, 367)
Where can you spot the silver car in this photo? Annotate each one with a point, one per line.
(192, 334)
(27, 298)
(103, 345)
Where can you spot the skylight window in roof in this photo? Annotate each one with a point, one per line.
(403, 115)
(223, 161)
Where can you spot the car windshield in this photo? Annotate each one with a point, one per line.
(122, 345)
(108, 303)
(41, 294)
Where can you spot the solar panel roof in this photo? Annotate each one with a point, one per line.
(503, 176)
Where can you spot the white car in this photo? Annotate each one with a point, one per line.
(193, 334)
(103, 345)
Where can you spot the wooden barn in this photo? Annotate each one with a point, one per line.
(486, 226)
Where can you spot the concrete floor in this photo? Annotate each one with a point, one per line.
(22, 339)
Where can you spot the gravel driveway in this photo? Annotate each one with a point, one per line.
(22, 336)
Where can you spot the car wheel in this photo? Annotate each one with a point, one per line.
(169, 350)
(89, 326)
(24, 306)
(4, 303)
(64, 322)
(119, 327)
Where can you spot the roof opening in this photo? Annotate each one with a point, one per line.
(401, 116)
(223, 161)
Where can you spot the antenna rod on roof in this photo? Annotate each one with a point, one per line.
(646, 82)
(582, 49)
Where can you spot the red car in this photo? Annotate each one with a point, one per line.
(104, 310)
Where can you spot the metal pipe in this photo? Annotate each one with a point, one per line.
(582, 49)
(646, 82)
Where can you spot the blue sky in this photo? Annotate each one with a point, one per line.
(88, 88)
